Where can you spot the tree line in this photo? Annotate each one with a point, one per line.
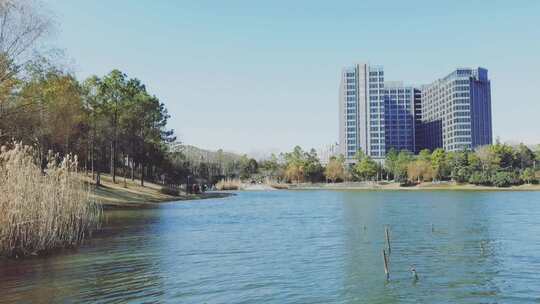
(498, 165)
(111, 122)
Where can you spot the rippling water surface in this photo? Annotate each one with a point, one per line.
(300, 247)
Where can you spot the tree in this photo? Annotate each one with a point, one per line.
(525, 156)
(335, 169)
(359, 155)
(314, 171)
(528, 175)
(461, 174)
(366, 168)
(22, 24)
(294, 173)
(458, 162)
(400, 168)
(425, 155)
(50, 111)
(112, 90)
(439, 164)
(505, 154)
(272, 167)
(505, 179)
(480, 178)
(302, 166)
(419, 170)
(487, 159)
(391, 162)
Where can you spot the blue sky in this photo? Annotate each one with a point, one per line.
(257, 76)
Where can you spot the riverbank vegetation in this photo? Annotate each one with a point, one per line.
(42, 209)
(113, 123)
(55, 128)
(498, 165)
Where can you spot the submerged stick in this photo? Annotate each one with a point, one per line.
(414, 273)
(386, 271)
(388, 239)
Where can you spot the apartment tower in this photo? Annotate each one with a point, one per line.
(456, 111)
(374, 116)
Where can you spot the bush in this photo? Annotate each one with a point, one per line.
(461, 174)
(169, 191)
(505, 179)
(480, 178)
(42, 211)
(528, 176)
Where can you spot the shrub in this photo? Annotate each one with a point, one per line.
(169, 191)
(461, 174)
(505, 179)
(528, 176)
(42, 210)
(480, 178)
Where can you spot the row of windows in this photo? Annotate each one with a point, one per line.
(461, 114)
(462, 133)
(462, 108)
(459, 140)
(461, 120)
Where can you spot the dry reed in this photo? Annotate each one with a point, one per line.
(39, 210)
(229, 184)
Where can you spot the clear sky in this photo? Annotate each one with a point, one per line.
(254, 76)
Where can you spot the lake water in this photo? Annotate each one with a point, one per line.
(300, 247)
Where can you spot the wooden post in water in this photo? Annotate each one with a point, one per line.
(414, 273)
(388, 239)
(386, 271)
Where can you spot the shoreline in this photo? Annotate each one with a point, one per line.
(127, 205)
(131, 195)
(391, 186)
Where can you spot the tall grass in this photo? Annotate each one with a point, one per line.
(229, 184)
(40, 211)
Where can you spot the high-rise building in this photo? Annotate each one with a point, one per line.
(398, 116)
(456, 111)
(374, 116)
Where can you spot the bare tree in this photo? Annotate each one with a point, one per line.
(22, 24)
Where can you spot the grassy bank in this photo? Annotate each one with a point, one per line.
(132, 195)
(396, 186)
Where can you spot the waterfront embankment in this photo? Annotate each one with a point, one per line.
(130, 194)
